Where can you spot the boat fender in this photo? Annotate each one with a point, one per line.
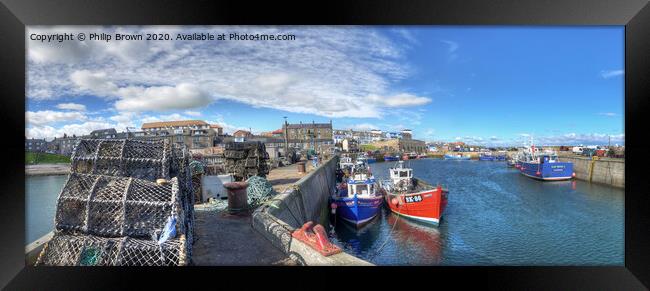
(394, 201)
(573, 175)
(538, 173)
(333, 206)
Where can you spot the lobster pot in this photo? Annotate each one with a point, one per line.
(89, 250)
(149, 160)
(180, 168)
(246, 159)
(118, 206)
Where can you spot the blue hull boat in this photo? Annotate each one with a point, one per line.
(357, 200)
(486, 158)
(371, 160)
(358, 211)
(390, 158)
(547, 170)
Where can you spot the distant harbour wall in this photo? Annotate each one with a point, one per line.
(606, 171)
(288, 211)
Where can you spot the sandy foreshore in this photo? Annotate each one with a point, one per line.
(47, 169)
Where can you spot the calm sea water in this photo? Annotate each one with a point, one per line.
(496, 216)
(40, 204)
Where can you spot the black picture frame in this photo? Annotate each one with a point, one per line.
(635, 15)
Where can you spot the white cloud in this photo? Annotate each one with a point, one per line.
(48, 117)
(363, 126)
(78, 129)
(192, 113)
(71, 106)
(606, 74)
(608, 114)
(400, 100)
(94, 83)
(182, 96)
(325, 71)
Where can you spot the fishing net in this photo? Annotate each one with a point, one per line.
(72, 249)
(258, 191)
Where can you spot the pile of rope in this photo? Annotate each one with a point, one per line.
(259, 191)
(196, 167)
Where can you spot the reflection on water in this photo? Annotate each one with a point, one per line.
(496, 216)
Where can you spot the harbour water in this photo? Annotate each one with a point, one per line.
(41, 193)
(496, 216)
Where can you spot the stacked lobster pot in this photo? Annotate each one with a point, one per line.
(246, 159)
(126, 202)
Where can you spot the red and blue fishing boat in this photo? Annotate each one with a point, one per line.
(546, 167)
(356, 200)
(413, 198)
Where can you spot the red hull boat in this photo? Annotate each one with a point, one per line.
(413, 198)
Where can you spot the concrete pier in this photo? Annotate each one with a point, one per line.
(608, 171)
(47, 169)
(305, 201)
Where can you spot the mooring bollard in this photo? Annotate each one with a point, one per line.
(237, 197)
(301, 167)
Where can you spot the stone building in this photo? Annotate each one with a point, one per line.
(104, 133)
(401, 145)
(35, 145)
(63, 145)
(318, 136)
(195, 134)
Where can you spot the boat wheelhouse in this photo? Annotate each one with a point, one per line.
(413, 198)
(357, 200)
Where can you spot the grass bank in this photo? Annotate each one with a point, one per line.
(32, 158)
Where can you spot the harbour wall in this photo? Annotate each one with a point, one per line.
(305, 201)
(608, 171)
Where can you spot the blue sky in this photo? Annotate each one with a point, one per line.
(483, 85)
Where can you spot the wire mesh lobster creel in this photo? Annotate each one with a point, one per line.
(119, 206)
(142, 159)
(66, 249)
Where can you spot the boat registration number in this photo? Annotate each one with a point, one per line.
(411, 199)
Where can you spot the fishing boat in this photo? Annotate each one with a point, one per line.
(545, 166)
(366, 158)
(389, 158)
(413, 198)
(486, 157)
(357, 200)
(500, 157)
(456, 157)
(511, 161)
(345, 162)
(412, 155)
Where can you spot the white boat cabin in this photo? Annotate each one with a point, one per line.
(400, 177)
(346, 162)
(362, 185)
